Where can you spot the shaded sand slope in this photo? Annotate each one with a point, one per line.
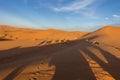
(75, 60)
(13, 33)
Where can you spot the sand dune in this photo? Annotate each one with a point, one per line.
(28, 34)
(107, 35)
(77, 59)
(25, 37)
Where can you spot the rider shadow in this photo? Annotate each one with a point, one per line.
(113, 65)
(71, 66)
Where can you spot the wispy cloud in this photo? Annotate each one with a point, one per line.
(75, 6)
(116, 16)
(106, 18)
(82, 7)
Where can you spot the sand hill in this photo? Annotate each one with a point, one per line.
(79, 59)
(32, 34)
(107, 35)
(25, 37)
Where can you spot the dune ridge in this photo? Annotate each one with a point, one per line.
(34, 34)
(107, 35)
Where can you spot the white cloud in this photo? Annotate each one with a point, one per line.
(75, 6)
(106, 18)
(116, 16)
(81, 7)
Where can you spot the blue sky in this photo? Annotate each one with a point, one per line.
(84, 15)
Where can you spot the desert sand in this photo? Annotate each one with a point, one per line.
(31, 54)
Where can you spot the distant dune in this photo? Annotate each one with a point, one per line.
(29, 54)
(13, 33)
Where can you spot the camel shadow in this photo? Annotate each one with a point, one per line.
(113, 65)
(69, 62)
(28, 54)
(71, 65)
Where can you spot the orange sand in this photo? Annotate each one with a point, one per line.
(59, 55)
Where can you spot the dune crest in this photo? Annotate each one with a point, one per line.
(107, 34)
(24, 33)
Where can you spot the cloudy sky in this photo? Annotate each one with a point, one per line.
(84, 15)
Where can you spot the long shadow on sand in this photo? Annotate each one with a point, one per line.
(113, 65)
(10, 57)
(66, 57)
(71, 65)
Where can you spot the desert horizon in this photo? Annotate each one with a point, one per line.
(59, 39)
